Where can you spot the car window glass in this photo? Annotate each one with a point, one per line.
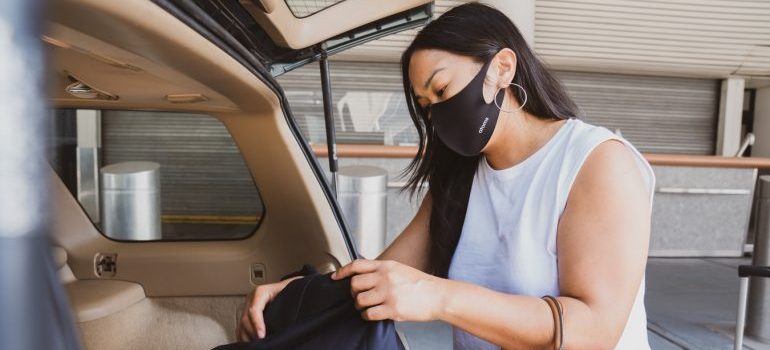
(143, 175)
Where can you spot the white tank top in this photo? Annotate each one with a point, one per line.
(508, 239)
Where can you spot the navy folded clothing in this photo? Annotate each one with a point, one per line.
(316, 312)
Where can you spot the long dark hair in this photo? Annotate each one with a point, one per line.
(477, 31)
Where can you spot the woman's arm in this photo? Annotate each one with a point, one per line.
(411, 246)
(602, 243)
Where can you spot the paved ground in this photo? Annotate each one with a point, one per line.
(691, 304)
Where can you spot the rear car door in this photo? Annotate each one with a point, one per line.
(241, 200)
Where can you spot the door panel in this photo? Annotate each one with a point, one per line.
(192, 289)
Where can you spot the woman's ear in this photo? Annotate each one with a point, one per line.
(500, 72)
(504, 67)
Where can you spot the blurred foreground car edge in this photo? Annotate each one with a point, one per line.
(35, 311)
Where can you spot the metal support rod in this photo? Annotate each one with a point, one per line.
(758, 311)
(747, 141)
(744, 273)
(740, 323)
(331, 142)
(35, 311)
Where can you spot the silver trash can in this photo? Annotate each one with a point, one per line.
(362, 195)
(130, 201)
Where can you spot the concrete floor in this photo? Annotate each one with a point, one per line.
(691, 304)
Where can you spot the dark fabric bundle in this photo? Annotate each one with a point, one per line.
(316, 312)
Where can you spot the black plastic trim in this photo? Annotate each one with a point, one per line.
(409, 19)
(753, 271)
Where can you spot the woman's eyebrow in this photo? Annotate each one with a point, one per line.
(427, 82)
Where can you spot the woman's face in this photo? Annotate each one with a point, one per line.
(437, 75)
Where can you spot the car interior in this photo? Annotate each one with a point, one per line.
(143, 56)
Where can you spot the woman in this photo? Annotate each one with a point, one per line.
(525, 201)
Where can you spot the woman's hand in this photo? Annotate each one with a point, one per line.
(252, 323)
(391, 290)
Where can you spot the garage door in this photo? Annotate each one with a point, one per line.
(202, 171)
(657, 114)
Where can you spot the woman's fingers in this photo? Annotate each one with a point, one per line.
(252, 324)
(369, 298)
(244, 331)
(375, 313)
(261, 297)
(358, 266)
(362, 283)
(256, 323)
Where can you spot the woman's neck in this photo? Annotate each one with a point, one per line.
(517, 136)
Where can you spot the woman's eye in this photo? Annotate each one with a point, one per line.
(441, 92)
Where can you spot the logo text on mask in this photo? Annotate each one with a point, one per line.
(481, 129)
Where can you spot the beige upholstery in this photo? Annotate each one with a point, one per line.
(59, 257)
(94, 299)
(60, 261)
(166, 323)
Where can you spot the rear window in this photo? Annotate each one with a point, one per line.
(304, 8)
(144, 176)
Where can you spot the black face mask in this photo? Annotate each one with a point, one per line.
(465, 122)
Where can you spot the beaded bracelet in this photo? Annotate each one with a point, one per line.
(558, 320)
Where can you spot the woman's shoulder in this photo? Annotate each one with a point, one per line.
(586, 137)
(586, 131)
(580, 140)
(600, 152)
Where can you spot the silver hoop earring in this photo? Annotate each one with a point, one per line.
(522, 104)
